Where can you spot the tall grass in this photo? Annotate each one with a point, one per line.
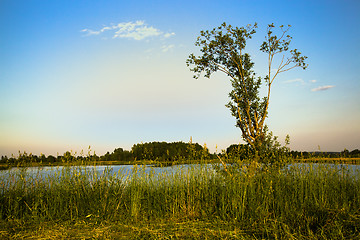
(302, 201)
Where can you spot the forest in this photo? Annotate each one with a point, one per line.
(164, 152)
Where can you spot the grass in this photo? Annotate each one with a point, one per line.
(6, 166)
(354, 161)
(117, 230)
(302, 202)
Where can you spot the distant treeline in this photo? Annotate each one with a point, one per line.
(242, 151)
(343, 154)
(156, 151)
(159, 151)
(165, 152)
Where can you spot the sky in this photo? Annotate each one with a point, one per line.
(110, 74)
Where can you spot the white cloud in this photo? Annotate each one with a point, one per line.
(138, 30)
(90, 32)
(166, 48)
(297, 80)
(138, 33)
(167, 35)
(313, 81)
(322, 88)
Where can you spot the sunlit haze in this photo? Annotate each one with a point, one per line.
(111, 74)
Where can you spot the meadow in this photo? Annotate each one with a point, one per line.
(244, 201)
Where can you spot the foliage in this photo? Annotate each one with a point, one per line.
(154, 151)
(271, 153)
(223, 49)
(343, 154)
(118, 155)
(299, 202)
(239, 151)
(163, 151)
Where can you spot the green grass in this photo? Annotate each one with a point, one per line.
(300, 203)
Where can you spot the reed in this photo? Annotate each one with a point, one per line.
(302, 201)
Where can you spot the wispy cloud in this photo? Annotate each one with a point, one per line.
(167, 35)
(313, 81)
(322, 88)
(138, 30)
(90, 32)
(297, 80)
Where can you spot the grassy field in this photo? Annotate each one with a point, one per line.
(247, 202)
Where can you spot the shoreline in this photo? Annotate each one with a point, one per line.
(4, 166)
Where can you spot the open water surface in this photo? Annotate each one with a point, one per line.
(128, 171)
(122, 172)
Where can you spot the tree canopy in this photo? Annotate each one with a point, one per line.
(223, 49)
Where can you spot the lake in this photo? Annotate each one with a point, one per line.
(126, 172)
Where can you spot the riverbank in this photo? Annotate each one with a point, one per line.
(4, 166)
(354, 161)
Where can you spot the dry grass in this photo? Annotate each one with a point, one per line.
(113, 230)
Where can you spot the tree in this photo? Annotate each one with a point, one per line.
(223, 49)
(239, 151)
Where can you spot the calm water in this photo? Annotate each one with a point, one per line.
(114, 168)
(127, 171)
(123, 172)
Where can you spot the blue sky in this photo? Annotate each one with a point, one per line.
(112, 73)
